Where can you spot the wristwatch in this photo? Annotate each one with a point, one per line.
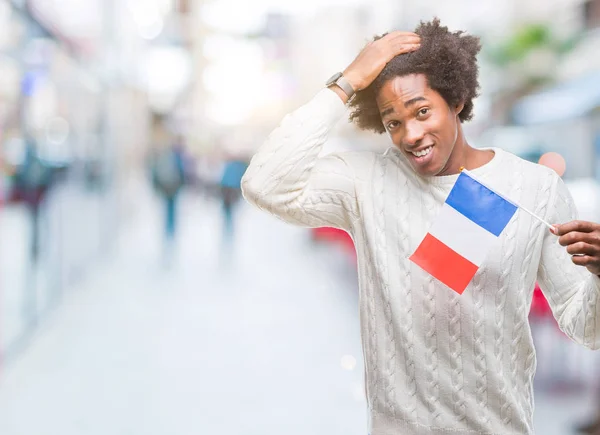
(340, 80)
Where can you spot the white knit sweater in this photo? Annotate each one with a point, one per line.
(436, 362)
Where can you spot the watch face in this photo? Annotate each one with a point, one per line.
(333, 79)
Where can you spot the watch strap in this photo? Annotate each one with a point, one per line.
(345, 86)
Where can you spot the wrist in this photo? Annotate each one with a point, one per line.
(338, 82)
(353, 78)
(335, 88)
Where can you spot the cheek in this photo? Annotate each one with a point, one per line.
(395, 137)
(450, 129)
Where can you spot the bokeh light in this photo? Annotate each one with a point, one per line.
(555, 161)
(348, 362)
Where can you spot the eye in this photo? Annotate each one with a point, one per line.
(424, 111)
(392, 125)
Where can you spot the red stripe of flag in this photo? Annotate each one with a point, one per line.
(444, 264)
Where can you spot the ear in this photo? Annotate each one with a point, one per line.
(459, 107)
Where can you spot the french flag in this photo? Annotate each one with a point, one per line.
(469, 224)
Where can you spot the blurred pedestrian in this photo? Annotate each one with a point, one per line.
(230, 193)
(168, 176)
(436, 362)
(32, 180)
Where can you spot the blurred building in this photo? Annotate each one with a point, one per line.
(553, 91)
(79, 84)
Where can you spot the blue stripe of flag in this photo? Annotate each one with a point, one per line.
(480, 204)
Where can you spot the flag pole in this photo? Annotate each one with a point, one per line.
(537, 217)
(552, 228)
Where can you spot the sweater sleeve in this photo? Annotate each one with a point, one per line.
(288, 179)
(572, 291)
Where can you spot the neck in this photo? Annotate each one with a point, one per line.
(463, 155)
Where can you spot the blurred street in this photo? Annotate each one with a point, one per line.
(73, 225)
(212, 344)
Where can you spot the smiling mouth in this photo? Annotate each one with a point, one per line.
(423, 152)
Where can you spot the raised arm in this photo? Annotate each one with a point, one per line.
(288, 177)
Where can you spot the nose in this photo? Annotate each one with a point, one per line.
(414, 134)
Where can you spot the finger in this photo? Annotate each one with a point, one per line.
(392, 37)
(582, 260)
(404, 35)
(391, 49)
(593, 267)
(401, 33)
(405, 48)
(405, 40)
(582, 248)
(576, 236)
(581, 226)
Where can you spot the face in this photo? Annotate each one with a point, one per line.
(421, 124)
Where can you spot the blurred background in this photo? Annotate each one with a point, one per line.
(140, 295)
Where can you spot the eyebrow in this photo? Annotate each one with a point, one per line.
(387, 112)
(413, 101)
(406, 104)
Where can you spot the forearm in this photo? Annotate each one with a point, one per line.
(280, 170)
(579, 318)
(574, 294)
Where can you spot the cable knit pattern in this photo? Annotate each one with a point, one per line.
(389, 369)
(436, 362)
(540, 201)
(590, 319)
(508, 250)
(481, 379)
(458, 392)
(369, 331)
(521, 307)
(430, 326)
(431, 355)
(403, 206)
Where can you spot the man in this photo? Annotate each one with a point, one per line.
(436, 362)
(233, 170)
(168, 178)
(32, 181)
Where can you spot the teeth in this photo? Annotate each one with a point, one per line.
(422, 152)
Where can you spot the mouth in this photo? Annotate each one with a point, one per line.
(422, 152)
(421, 156)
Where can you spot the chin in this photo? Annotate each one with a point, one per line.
(427, 171)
